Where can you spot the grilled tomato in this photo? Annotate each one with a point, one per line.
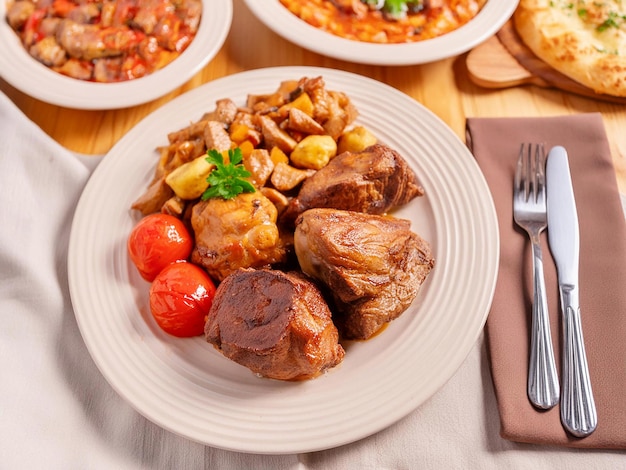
(180, 298)
(156, 241)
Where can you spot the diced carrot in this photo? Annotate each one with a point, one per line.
(302, 102)
(238, 132)
(246, 148)
(62, 8)
(278, 156)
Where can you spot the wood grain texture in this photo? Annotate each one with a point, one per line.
(490, 65)
(445, 87)
(505, 61)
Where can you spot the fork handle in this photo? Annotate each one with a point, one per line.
(543, 382)
(578, 409)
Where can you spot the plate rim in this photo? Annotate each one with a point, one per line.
(76, 274)
(30, 77)
(493, 15)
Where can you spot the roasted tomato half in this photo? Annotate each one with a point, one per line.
(180, 298)
(156, 241)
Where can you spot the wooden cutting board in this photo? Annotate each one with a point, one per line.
(505, 61)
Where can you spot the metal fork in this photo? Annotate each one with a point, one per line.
(530, 213)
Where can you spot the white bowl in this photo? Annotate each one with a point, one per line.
(284, 23)
(26, 74)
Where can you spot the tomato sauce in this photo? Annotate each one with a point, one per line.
(105, 41)
(373, 26)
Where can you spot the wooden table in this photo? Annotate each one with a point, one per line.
(444, 87)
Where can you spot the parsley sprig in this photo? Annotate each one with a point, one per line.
(613, 20)
(395, 8)
(227, 179)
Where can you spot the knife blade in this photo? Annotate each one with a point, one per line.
(578, 410)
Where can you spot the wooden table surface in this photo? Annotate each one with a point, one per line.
(443, 86)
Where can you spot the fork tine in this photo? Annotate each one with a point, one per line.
(540, 174)
(523, 174)
(530, 173)
(520, 180)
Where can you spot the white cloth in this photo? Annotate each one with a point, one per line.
(58, 412)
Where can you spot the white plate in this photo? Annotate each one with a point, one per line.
(187, 387)
(284, 23)
(19, 69)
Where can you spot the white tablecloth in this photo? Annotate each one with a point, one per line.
(58, 412)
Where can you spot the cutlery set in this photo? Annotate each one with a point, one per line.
(544, 198)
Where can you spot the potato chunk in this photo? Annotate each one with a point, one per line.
(188, 181)
(355, 140)
(314, 152)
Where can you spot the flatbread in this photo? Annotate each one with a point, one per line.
(584, 39)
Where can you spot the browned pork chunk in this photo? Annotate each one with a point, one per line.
(48, 52)
(371, 181)
(276, 324)
(88, 41)
(18, 13)
(372, 265)
(236, 233)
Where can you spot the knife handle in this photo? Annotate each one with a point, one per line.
(543, 382)
(578, 409)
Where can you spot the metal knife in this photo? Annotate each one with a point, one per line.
(578, 409)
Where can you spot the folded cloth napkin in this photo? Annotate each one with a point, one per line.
(495, 143)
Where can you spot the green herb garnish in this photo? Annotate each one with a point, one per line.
(395, 9)
(610, 22)
(227, 180)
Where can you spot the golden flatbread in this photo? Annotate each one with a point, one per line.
(584, 40)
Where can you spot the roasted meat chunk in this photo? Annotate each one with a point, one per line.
(372, 265)
(48, 52)
(236, 233)
(18, 13)
(157, 194)
(372, 181)
(88, 41)
(275, 323)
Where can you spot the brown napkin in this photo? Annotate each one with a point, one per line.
(495, 144)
